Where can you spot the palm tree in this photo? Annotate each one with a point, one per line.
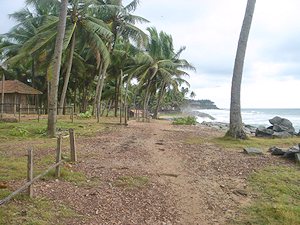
(94, 31)
(52, 104)
(160, 67)
(236, 125)
(122, 24)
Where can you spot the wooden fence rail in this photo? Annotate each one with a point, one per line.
(29, 183)
(56, 166)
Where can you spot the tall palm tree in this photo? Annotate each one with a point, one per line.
(52, 104)
(92, 29)
(160, 67)
(236, 125)
(122, 23)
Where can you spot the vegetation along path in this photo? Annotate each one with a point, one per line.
(154, 173)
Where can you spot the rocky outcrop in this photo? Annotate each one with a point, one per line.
(261, 131)
(276, 151)
(253, 151)
(281, 128)
(291, 153)
(282, 124)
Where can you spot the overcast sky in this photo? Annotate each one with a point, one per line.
(210, 30)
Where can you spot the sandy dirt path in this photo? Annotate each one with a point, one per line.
(148, 173)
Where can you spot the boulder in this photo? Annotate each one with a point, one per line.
(276, 151)
(282, 134)
(291, 153)
(263, 132)
(253, 151)
(249, 129)
(282, 124)
(297, 157)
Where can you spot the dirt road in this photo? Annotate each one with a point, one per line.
(149, 173)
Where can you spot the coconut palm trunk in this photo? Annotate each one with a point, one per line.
(52, 110)
(160, 97)
(99, 95)
(67, 77)
(236, 125)
(97, 89)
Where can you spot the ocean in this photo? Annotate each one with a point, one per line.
(254, 117)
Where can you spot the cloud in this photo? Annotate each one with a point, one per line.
(8, 7)
(210, 30)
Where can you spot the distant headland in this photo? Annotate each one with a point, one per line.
(201, 104)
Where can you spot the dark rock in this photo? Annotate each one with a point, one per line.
(263, 132)
(297, 157)
(249, 129)
(253, 151)
(291, 153)
(276, 151)
(282, 124)
(217, 125)
(282, 134)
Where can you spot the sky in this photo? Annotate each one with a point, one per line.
(210, 30)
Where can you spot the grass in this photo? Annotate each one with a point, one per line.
(230, 143)
(131, 181)
(264, 143)
(32, 129)
(277, 189)
(67, 175)
(13, 138)
(278, 197)
(12, 168)
(37, 211)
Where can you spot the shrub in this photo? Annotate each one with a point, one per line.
(19, 132)
(190, 120)
(85, 115)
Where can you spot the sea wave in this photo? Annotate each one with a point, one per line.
(253, 117)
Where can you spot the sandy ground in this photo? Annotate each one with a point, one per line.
(176, 182)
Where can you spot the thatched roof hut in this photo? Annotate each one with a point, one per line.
(18, 93)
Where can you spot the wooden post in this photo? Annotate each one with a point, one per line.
(27, 109)
(20, 112)
(30, 171)
(38, 112)
(2, 96)
(125, 115)
(72, 114)
(73, 145)
(58, 155)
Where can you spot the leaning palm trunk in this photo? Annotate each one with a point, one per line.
(121, 93)
(99, 95)
(146, 100)
(67, 77)
(52, 103)
(126, 101)
(117, 88)
(97, 89)
(160, 97)
(236, 125)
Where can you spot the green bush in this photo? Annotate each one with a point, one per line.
(85, 115)
(19, 132)
(190, 120)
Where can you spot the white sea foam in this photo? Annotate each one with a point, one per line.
(255, 117)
